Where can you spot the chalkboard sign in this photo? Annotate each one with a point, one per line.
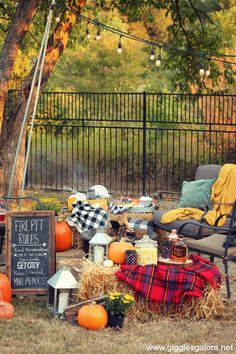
(30, 257)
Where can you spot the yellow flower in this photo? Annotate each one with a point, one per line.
(111, 297)
(129, 298)
(116, 293)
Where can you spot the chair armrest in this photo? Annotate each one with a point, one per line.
(200, 225)
(40, 204)
(220, 217)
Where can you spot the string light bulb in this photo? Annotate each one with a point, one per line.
(152, 55)
(158, 62)
(208, 71)
(201, 70)
(57, 19)
(98, 35)
(88, 33)
(119, 49)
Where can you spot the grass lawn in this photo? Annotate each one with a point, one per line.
(35, 330)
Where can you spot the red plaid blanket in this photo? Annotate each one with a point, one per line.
(170, 284)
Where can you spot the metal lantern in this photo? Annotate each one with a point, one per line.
(60, 287)
(98, 247)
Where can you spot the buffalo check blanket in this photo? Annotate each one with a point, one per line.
(84, 217)
(169, 284)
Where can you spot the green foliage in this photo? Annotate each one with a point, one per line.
(117, 303)
(195, 25)
(49, 203)
(96, 66)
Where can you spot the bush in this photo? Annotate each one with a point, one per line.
(49, 203)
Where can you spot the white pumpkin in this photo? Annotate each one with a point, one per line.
(108, 263)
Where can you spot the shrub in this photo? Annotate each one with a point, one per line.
(49, 203)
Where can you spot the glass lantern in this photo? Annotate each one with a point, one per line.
(60, 287)
(98, 247)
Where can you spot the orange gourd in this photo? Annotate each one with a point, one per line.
(63, 236)
(116, 251)
(6, 310)
(5, 288)
(92, 316)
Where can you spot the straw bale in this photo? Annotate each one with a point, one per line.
(124, 217)
(97, 280)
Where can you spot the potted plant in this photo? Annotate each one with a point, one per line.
(116, 305)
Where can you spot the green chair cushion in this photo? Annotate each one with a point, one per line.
(196, 194)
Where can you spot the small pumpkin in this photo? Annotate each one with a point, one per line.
(108, 263)
(6, 310)
(92, 316)
(5, 288)
(63, 236)
(116, 251)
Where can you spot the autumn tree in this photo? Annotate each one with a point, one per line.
(10, 126)
(192, 28)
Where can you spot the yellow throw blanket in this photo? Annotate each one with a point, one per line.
(223, 191)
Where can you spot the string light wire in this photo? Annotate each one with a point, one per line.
(165, 47)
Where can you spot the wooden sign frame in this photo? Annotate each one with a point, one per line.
(50, 251)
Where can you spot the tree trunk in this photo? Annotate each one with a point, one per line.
(56, 44)
(23, 16)
(19, 26)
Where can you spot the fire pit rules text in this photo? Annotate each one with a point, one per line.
(29, 252)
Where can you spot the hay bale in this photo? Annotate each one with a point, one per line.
(97, 280)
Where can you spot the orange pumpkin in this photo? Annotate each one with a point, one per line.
(92, 316)
(6, 310)
(116, 251)
(5, 288)
(63, 236)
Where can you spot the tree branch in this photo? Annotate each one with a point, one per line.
(206, 15)
(34, 38)
(197, 13)
(6, 11)
(5, 18)
(181, 22)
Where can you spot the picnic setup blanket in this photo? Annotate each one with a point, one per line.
(170, 284)
(85, 217)
(223, 191)
(115, 209)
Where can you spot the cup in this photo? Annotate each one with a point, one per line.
(166, 250)
(130, 257)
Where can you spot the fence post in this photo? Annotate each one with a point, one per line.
(144, 142)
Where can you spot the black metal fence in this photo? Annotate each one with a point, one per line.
(132, 143)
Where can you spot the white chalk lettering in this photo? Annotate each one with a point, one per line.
(28, 239)
(21, 225)
(18, 281)
(36, 225)
(28, 265)
(36, 281)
